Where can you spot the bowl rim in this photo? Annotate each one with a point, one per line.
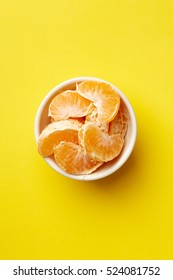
(93, 176)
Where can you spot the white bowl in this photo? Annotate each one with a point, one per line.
(106, 169)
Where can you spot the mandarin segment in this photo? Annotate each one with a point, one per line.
(119, 124)
(104, 96)
(56, 132)
(69, 104)
(93, 118)
(82, 119)
(99, 145)
(73, 159)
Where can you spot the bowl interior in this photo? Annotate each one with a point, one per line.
(106, 169)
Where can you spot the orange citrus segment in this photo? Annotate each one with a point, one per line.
(69, 104)
(99, 145)
(82, 119)
(93, 118)
(56, 132)
(72, 158)
(120, 123)
(104, 96)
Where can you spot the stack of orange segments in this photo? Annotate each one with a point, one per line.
(88, 127)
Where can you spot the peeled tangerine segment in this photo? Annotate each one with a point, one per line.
(72, 158)
(104, 96)
(93, 118)
(99, 145)
(69, 104)
(119, 124)
(56, 132)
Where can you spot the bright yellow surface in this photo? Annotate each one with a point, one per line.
(128, 215)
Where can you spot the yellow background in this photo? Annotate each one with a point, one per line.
(128, 215)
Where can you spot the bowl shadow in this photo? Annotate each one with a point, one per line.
(118, 181)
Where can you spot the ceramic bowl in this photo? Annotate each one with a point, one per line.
(106, 169)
